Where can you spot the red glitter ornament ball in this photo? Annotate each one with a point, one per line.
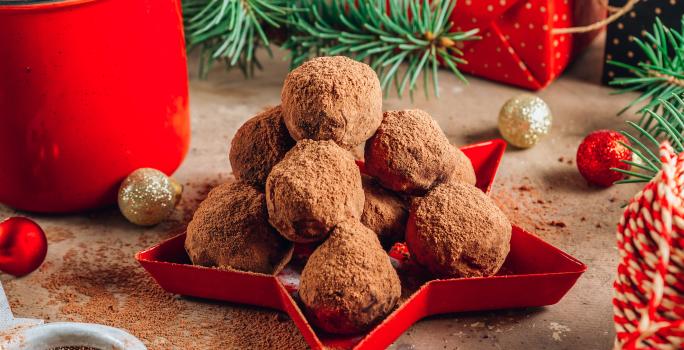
(23, 246)
(600, 151)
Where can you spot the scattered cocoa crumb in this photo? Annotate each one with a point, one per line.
(518, 210)
(527, 205)
(566, 161)
(56, 234)
(598, 225)
(557, 224)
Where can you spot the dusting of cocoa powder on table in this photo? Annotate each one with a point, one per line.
(102, 283)
(527, 205)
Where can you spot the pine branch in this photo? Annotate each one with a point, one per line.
(383, 33)
(232, 30)
(644, 143)
(660, 78)
(661, 82)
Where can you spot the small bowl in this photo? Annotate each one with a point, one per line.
(57, 335)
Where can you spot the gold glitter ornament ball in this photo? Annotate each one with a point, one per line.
(524, 120)
(147, 196)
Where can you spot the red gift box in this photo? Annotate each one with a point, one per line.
(534, 274)
(518, 46)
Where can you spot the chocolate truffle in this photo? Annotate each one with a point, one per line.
(230, 230)
(332, 98)
(409, 153)
(457, 231)
(384, 212)
(349, 284)
(464, 171)
(258, 145)
(315, 187)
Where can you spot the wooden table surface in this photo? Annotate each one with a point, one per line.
(90, 275)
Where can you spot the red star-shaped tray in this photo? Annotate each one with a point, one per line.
(535, 274)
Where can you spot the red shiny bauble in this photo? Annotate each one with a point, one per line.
(599, 152)
(23, 246)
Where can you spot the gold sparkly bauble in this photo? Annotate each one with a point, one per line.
(147, 196)
(524, 120)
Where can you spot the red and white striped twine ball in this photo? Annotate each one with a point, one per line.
(649, 288)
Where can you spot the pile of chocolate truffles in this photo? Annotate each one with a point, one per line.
(297, 182)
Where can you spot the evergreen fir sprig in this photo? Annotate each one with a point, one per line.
(232, 30)
(383, 33)
(661, 82)
(644, 143)
(660, 79)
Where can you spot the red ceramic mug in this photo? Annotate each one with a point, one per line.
(90, 90)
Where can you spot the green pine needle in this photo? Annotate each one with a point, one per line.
(661, 82)
(383, 34)
(644, 143)
(231, 30)
(660, 78)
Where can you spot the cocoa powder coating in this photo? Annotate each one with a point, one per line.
(457, 231)
(332, 98)
(348, 285)
(258, 145)
(464, 171)
(230, 230)
(315, 187)
(409, 153)
(384, 212)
